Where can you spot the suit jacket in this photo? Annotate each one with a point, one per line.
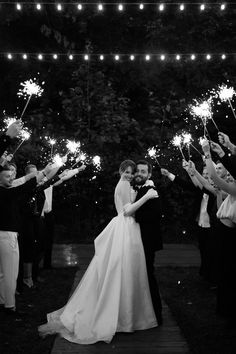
(149, 216)
(198, 195)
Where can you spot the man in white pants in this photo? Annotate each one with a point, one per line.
(9, 226)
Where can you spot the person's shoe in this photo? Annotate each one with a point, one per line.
(28, 282)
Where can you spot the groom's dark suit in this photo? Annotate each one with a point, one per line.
(148, 216)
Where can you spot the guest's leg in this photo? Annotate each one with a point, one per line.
(9, 255)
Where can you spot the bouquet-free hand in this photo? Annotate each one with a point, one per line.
(185, 164)
(217, 149)
(151, 194)
(205, 147)
(165, 172)
(223, 139)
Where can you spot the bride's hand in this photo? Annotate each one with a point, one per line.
(151, 193)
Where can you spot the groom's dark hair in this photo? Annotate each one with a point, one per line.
(145, 162)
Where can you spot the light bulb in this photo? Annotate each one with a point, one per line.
(24, 56)
(222, 7)
(223, 56)
(86, 57)
(79, 7)
(18, 6)
(55, 56)
(120, 7)
(38, 7)
(9, 56)
(147, 57)
(161, 7)
(71, 57)
(100, 7)
(177, 57)
(208, 57)
(202, 7)
(141, 6)
(163, 57)
(59, 7)
(132, 57)
(101, 57)
(40, 57)
(117, 57)
(181, 7)
(193, 57)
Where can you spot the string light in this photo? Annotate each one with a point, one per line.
(59, 7)
(141, 6)
(18, 6)
(161, 7)
(120, 7)
(222, 7)
(100, 7)
(38, 6)
(79, 7)
(182, 7)
(146, 57)
(202, 7)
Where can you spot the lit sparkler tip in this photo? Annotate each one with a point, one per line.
(30, 88)
(72, 146)
(97, 160)
(52, 141)
(25, 134)
(187, 137)
(152, 152)
(202, 140)
(58, 160)
(9, 120)
(177, 140)
(202, 109)
(226, 93)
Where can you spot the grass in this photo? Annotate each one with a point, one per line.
(21, 337)
(190, 299)
(193, 303)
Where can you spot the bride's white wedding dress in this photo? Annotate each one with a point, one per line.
(113, 295)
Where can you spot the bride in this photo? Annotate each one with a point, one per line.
(113, 295)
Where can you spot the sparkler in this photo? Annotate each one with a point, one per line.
(81, 157)
(187, 140)
(203, 110)
(29, 89)
(177, 140)
(72, 147)
(25, 135)
(58, 160)
(97, 161)
(152, 152)
(52, 142)
(225, 94)
(9, 121)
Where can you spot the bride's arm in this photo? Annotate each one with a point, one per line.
(130, 209)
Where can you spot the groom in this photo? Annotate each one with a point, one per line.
(148, 216)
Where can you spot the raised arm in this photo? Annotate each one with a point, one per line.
(229, 188)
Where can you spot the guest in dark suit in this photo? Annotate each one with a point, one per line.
(148, 216)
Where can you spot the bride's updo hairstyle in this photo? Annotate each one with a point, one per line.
(125, 164)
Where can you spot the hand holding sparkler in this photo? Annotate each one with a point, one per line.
(165, 172)
(206, 148)
(81, 157)
(152, 152)
(185, 164)
(217, 149)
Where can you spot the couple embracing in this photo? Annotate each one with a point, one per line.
(118, 292)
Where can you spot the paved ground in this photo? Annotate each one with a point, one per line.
(179, 255)
(166, 339)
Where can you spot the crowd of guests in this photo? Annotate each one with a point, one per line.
(26, 221)
(214, 193)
